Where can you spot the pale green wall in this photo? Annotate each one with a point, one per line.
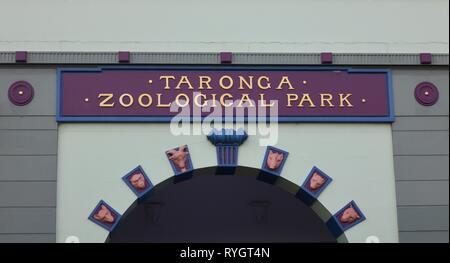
(380, 26)
(92, 158)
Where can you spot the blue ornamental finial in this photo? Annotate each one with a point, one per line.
(227, 137)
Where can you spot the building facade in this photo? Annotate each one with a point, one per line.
(55, 171)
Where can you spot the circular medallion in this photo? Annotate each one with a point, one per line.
(21, 93)
(426, 93)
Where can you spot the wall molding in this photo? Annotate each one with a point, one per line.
(214, 58)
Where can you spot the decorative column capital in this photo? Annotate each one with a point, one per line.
(227, 137)
(227, 142)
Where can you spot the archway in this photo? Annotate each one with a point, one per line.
(216, 205)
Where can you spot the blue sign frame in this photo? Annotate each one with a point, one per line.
(281, 119)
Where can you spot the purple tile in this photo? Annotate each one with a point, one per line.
(425, 58)
(21, 56)
(326, 57)
(226, 57)
(124, 56)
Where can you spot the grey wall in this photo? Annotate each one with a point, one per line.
(420, 136)
(28, 148)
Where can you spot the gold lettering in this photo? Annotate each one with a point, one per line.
(184, 80)
(166, 78)
(149, 98)
(230, 82)
(197, 103)
(104, 103)
(204, 80)
(266, 79)
(307, 98)
(326, 97)
(285, 80)
(222, 99)
(342, 99)
(214, 100)
(245, 98)
(263, 101)
(178, 101)
(248, 83)
(291, 97)
(130, 100)
(161, 105)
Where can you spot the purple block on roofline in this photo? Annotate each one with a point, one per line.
(425, 58)
(226, 57)
(124, 56)
(21, 56)
(326, 58)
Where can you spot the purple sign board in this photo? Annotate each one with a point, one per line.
(160, 93)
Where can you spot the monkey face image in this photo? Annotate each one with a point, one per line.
(138, 181)
(104, 215)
